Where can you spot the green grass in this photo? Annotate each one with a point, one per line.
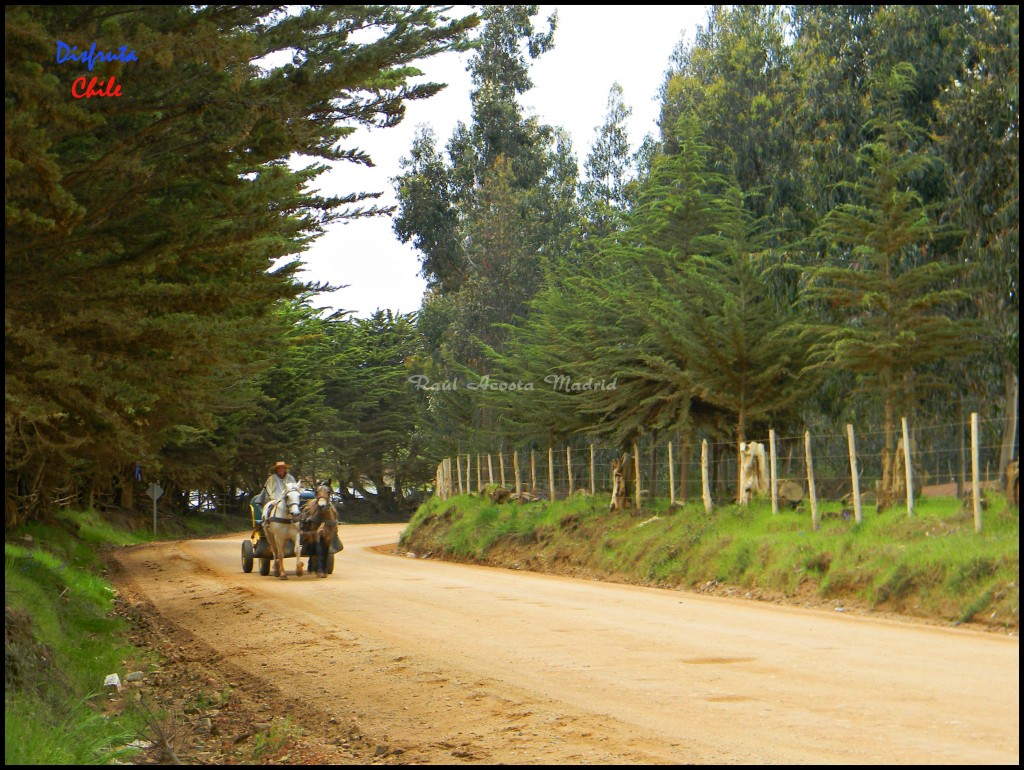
(62, 643)
(932, 565)
(62, 640)
(36, 734)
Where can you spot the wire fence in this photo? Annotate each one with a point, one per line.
(942, 461)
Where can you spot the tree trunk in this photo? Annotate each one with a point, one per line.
(623, 473)
(886, 494)
(684, 467)
(1012, 485)
(127, 491)
(1009, 440)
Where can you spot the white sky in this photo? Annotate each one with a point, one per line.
(595, 46)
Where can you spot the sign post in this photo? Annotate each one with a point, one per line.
(154, 490)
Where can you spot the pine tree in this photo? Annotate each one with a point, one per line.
(890, 295)
(674, 310)
(376, 442)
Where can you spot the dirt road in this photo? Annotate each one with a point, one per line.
(433, 662)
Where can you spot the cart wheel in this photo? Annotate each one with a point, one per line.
(264, 567)
(330, 564)
(247, 556)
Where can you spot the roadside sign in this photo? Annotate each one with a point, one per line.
(154, 491)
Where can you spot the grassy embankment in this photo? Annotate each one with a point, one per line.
(932, 566)
(62, 638)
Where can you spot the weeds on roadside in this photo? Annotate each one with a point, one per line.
(277, 738)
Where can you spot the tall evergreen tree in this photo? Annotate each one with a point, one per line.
(609, 168)
(376, 442)
(736, 77)
(501, 212)
(979, 129)
(884, 281)
(673, 314)
(154, 220)
(435, 193)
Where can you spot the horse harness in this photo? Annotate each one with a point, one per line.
(319, 519)
(291, 519)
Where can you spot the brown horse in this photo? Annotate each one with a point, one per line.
(319, 527)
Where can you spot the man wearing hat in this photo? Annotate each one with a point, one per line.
(277, 483)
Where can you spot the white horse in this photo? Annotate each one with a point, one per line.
(281, 524)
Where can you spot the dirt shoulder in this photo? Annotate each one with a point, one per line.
(208, 710)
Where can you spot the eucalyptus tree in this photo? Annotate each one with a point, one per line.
(737, 78)
(436, 194)
(838, 52)
(609, 169)
(978, 126)
(492, 215)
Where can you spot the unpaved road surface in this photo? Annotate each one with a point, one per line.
(423, 661)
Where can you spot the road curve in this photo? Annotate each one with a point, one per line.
(467, 664)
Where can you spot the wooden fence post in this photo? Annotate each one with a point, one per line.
(636, 472)
(568, 467)
(684, 471)
(501, 466)
(458, 468)
(810, 481)
(774, 478)
(741, 498)
(533, 472)
(671, 479)
(704, 475)
(909, 470)
(551, 473)
(854, 475)
(479, 474)
(961, 482)
(490, 470)
(515, 470)
(469, 475)
(975, 469)
(593, 481)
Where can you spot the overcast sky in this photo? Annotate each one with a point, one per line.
(595, 46)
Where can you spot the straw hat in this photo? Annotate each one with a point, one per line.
(282, 464)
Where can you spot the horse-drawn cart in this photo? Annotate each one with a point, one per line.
(257, 547)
